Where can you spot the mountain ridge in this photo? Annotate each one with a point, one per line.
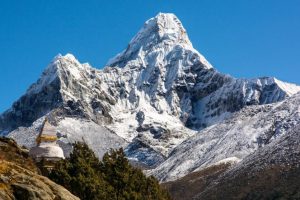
(153, 96)
(251, 129)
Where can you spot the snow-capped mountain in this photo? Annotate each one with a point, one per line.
(149, 99)
(231, 140)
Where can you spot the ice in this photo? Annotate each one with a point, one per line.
(160, 99)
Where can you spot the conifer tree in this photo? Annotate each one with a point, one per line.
(113, 178)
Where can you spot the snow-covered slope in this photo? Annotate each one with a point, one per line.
(252, 128)
(150, 98)
(270, 172)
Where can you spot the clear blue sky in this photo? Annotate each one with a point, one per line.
(244, 38)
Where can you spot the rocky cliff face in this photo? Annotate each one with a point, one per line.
(151, 97)
(19, 178)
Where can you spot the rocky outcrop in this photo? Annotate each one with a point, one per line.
(20, 179)
(20, 183)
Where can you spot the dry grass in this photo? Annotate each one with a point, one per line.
(11, 152)
(19, 178)
(3, 170)
(3, 186)
(271, 182)
(3, 167)
(194, 183)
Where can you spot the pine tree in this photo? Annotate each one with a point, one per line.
(129, 183)
(112, 178)
(116, 168)
(80, 176)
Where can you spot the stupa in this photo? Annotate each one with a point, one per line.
(46, 144)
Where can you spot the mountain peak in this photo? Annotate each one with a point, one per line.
(60, 64)
(164, 31)
(168, 26)
(162, 27)
(68, 57)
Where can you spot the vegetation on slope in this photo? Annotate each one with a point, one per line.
(20, 179)
(113, 178)
(270, 182)
(194, 183)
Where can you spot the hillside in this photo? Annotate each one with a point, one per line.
(20, 178)
(269, 173)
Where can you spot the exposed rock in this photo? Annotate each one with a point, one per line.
(247, 131)
(19, 177)
(159, 74)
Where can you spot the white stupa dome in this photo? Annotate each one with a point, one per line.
(47, 150)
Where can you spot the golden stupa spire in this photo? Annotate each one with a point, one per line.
(47, 133)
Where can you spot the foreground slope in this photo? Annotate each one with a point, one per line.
(150, 98)
(189, 186)
(19, 178)
(272, 172)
